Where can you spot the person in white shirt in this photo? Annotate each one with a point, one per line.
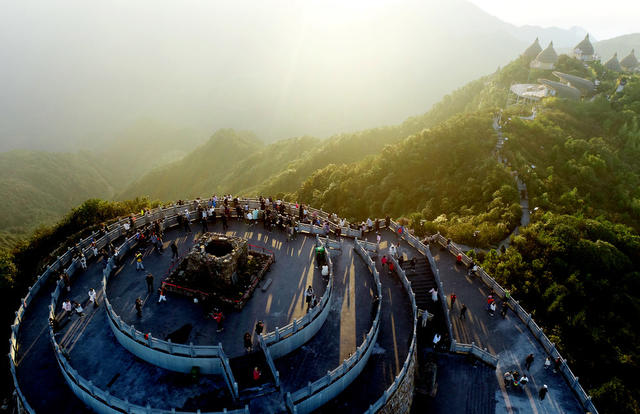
(434, 294)
(83, 262)
(436, 339)
(393, 250)
(93, 297)
(78, 308)
(67, 308)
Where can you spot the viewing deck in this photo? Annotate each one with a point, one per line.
(349, 354)
(94, 352)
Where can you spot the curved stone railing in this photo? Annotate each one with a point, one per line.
(405, 377)
(165, 354)
(284, 340)
(549, 346)
(33, 291)
(316, 394)
(94, 397)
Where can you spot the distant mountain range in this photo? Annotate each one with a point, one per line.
(414, 59)
(312, 70)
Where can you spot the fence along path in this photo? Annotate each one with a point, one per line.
(504, 339)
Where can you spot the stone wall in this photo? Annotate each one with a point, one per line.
(400, 402)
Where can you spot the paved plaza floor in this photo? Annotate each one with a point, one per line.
(95, 353)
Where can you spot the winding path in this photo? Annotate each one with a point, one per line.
(522, 192)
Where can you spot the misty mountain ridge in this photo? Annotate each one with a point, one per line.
(314, 70)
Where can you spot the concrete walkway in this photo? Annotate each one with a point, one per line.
(507, 338)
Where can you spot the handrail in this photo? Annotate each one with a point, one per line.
(526, 317)
(93, 396)
(270, 363)
(311, 396)
(474, 350)
(422, 248)
(389, 392)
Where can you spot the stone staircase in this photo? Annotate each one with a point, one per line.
(422, 281)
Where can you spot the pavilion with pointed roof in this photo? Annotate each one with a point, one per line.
(613, 64)
(533, 50)
(584, 50)
(630, 63)
(546, 59)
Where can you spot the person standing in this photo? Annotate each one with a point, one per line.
(139, 265)
(391, 267)
(503, 311)
(436, 339)
(219, 318)
(78, 308)
(556, 364)
(205, 226)
(149, 280)
(67, 280)
(528, 361)
(547, 363)
(308, 296)
(248, 344)
(139, 306)
(453, 299)
(543, 392)
(256, 374)
(174, 251)
(162, 297)
(225, 224)
(93, 297)
(67, 308)
(434, 294)
(259, 328)
(492, 309)
(463, 312)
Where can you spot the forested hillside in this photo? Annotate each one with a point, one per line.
(446, 174)
(232, 163)
(200, 171)
(575, 266)
(39, 187)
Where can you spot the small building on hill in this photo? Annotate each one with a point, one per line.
(613, 64)
(584, 50)
(533, 50)
(630, 63)
(546, 59)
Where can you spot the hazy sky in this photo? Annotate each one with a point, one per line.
(76, 73)
(604, 19)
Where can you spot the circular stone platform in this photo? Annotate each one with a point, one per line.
(96, 355)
